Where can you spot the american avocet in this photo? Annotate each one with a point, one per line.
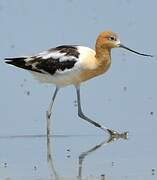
(71, 65)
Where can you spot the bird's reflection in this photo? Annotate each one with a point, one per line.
(82, 156)
(111, 139)
(50, 162)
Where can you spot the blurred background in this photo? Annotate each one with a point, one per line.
(124, 99)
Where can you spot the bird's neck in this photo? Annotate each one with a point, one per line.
(103, 54)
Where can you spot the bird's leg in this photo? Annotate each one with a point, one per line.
(49, 111)
(81, 115)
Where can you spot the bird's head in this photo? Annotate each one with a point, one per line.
(108, 40)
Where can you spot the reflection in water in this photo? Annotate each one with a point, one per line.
(53, 172)
(93, 149)
(82, 156)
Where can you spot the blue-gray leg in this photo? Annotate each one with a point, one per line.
(49, 111)
(81, 115)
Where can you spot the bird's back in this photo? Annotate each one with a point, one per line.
(61, 65)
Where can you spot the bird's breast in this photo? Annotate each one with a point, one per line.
(91, 73)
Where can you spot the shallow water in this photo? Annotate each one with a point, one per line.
(80, 157)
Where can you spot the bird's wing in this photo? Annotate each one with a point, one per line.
(60, 58)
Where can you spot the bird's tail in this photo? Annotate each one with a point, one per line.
(19, 62)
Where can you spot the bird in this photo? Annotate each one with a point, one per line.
(72, 65)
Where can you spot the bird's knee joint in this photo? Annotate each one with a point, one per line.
(48, 114)
(80, 114)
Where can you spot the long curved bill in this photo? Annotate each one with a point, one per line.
(122, 46)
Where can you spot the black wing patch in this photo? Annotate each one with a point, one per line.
(51, 64)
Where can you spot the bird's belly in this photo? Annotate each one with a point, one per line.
(60, 79)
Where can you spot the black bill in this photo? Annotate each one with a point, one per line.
(122, 46)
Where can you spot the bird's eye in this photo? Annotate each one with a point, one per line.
(112, 38)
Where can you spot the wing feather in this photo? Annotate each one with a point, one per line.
(50, 61)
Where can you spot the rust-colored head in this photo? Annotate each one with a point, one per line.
(107, 40)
